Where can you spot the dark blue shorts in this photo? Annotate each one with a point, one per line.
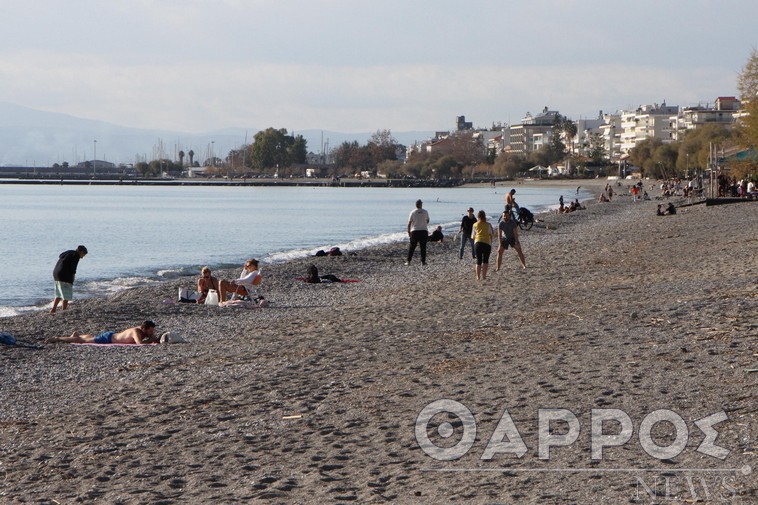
(104, 338)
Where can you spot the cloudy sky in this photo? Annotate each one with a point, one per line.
(356, 66)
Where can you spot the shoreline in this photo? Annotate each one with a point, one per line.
(155, 277)
(315, 397)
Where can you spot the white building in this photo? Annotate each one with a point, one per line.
(645, 122)
(723, 112)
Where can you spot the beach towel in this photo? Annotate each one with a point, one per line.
(305, 279)
(112, 345)
(244, 304)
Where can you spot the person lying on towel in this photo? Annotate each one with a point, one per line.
(143, 334)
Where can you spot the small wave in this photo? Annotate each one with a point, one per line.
(353, 245)
(6, 311)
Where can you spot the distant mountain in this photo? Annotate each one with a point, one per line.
(30, 137)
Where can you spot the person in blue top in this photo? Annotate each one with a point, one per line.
(64, 274)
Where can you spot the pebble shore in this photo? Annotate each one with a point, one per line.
(315, 398)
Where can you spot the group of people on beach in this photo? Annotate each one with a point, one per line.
(64, 274)
(571, 207)
(243, 286)
(477, 232)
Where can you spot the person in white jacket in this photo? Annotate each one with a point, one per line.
(243, 286)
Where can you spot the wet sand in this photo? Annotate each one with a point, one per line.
(316, 397)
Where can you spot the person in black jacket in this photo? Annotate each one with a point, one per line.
(64, 274)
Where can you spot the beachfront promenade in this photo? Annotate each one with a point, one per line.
(268, 181)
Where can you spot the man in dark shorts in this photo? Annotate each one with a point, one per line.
(418, 232)
(467, 224)
(507, 234)
(64, 274)
(143, 334)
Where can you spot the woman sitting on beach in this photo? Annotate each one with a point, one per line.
(243, 286)
(205, 283)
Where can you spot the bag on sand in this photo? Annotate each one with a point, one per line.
(171, 337)
(188, 296)
(6, 338)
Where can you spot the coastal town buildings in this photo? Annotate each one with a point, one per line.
(724, 113)
(533, 132)
(619, 132)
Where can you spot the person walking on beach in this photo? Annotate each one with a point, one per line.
(142, 334)
(467, 224)
(64, 274)
(482, 234)
(418, 231)
(507, 234)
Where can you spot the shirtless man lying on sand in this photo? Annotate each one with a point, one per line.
(143, 334)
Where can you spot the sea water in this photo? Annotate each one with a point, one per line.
(138, 235)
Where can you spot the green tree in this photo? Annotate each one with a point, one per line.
(596, 151)
(641, 154)
(273, 148)
(569, 131)
(695, 147)
(663, 162)
(446, 167)
(298, 151)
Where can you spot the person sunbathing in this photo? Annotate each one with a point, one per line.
(205, 284)
(143, 334)
(243, 286)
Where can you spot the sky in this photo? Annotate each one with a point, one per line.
(358, 66)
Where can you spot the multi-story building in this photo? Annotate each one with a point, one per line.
(645, 122)
(724, 113)
(533, 132)
(584, 127)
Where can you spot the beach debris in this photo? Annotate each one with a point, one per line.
(295, 416)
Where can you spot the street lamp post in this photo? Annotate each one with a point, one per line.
(94, 161)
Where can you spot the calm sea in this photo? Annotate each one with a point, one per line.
(143, 234)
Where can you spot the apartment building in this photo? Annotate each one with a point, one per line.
(645, 122)
(724, 113)
(533, 132)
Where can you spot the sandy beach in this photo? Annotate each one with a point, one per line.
(317, 397)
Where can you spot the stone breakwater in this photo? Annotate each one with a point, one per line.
(315, 398)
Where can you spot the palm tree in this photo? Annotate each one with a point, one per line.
(191, 155)
(569, 130)
(181, 158)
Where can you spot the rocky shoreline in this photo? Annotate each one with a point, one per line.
(316, 397)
